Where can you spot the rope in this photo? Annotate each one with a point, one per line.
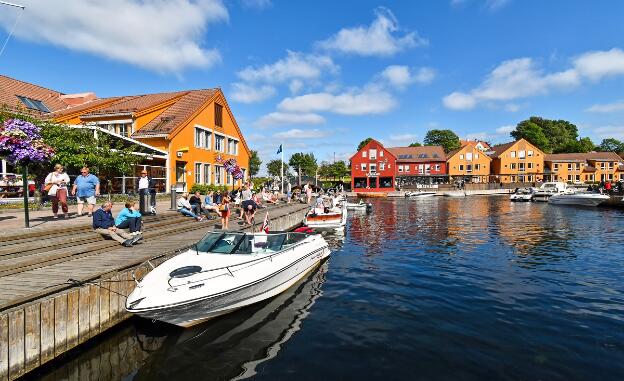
(11, 31)
(78, 283)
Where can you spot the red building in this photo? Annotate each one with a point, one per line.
(373, 169)
(420, 165)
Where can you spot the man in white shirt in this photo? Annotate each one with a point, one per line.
(146, 186)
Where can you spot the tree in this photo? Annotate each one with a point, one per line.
(582, 145)
(254, 163)
(611, 145)
(415, 144)
(274, 168)
(339, 169)
(445, 138)
(551, 136)
(533, 134)
(304, 164)
(363, 143)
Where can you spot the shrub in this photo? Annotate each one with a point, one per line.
(205, 188)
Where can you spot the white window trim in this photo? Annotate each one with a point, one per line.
(222, 150)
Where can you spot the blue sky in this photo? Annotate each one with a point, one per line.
(319, 76)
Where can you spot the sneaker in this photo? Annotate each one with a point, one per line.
(90, 214)
(55, 217)
(127, 243)
(136, 239)
(65, 215)
(136, 233)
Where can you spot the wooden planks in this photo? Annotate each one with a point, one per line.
(32, 344)
(4, 347)
(16, 343)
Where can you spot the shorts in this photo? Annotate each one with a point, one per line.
(90, 200)
(246, 204)
(225, 213)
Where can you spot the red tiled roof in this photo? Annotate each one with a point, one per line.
(574, 157)
(418, 154)
(497, 150)
(176, 114)
(82, 107)
(131, 104)
(10, 88)
(466, 142)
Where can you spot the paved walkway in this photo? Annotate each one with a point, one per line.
(12, 222)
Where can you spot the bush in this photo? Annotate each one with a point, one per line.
(205, 188)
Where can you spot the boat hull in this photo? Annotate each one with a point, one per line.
(577, 200)
(206, 308)
(371, 195)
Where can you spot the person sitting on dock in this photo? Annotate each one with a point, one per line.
(129, 218)
(209, 204)
(184, 207)
(104, 224)
(196, 204)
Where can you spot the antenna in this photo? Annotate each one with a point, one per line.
(14, 24)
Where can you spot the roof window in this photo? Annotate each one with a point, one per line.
(33, 104)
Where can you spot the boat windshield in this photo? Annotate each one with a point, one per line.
(244, 243)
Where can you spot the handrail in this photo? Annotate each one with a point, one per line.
(228, 268)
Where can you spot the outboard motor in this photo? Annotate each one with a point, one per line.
(369, 208)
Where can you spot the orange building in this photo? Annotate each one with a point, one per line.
(518, 161)
(183, 136)
(468, 163)
(584, 167)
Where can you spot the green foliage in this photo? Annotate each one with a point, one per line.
(205, 188)
(445, 138)
(336, 170)
(274, 168)
(254, 163)
(363, 143)
(415, 144)
(552, 136)
(306, 162)
(611, 145)
(258, 182)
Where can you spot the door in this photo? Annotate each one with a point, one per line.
(180, 174)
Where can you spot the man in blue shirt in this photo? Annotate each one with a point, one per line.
(86, 187)
(104, 224)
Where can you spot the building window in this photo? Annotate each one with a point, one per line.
(385, 182)
(363, 153)
(530, 165)
(569, 177)
(469, 156)
(380, 153)
(382, 166)
(202, 138)
(513, 153)
(198, 177)
(477, 167)
(372, 154)
(437, 167)
(521, 166)
(359, 182)
(461, 156)
(373, 168)
(364, 167)
(232, 146)
(476, 156)
(400, 168)
(218, 109)
(406, 168)
(33, 104)
(530, 153)
(513, 165)
(521, 154)
(555, 167)
(218, 175)
(219, 143)
(469, 168)
(461, 167)
(569, 166)
(206, 173)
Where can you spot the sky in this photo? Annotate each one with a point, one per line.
(320, 76)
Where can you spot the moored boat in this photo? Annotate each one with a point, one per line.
(371, 194)
(578, 198)
(522, 194)
(225, 271)
(544, 192)
(419, 194)
(326, 217)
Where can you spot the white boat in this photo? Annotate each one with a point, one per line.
(578, 198)
(544, 192)
(328, 214)
(223, 272)
(522, 194)
(419, 194)
(454, 194)
(363, 206)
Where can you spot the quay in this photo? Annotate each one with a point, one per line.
(61, 286)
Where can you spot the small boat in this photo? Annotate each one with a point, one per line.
(522, 194)
(327, 216)
(454, 194)
(420, 194)
(544, 192)
(223, 272)
(578, 198)
(371, 195)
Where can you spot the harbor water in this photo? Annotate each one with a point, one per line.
(433, 289)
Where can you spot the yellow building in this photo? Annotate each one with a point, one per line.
(468, 163)
(518, 161)
(584, 167)
(183, 136)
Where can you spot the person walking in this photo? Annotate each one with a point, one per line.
(129, 218)
(86, 188)
(58, 181)
(309, 193)
(224, 208)
(146, 187)
(104, 224)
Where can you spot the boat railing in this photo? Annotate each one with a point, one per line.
(230, 269)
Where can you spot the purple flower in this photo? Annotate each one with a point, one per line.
(21, 143)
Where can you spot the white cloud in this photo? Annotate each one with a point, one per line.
(504, 130)
(295, 65)
(370, 100)
(295, 86)
(512, 107)
(496, 4)
(520, 78)
(245, 93)
(608, 107)
(400, 140)
(500, 134)
(296, 133)
(401, 76)
(282, 118)
(378, 39)
(164, 36)
(605, 132)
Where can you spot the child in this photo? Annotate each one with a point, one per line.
(224, 208)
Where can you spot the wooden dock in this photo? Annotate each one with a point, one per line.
(61, 287)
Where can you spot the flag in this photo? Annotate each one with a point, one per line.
(265, 224)
(279, 150)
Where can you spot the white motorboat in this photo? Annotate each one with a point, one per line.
(578, 198)
(362, 206)
(454, 194)
(420, 194)
(544, 192)
(225, 271)
(522, 194)
(327, 214)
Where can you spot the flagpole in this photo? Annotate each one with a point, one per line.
(282, 145)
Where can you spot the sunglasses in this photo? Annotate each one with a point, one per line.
(84, 172)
